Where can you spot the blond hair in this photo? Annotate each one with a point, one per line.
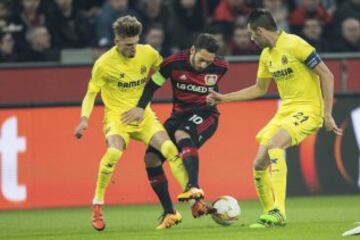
(127, 26)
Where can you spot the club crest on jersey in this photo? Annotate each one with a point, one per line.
(211, 79)
(284, 60)
(183, 77)
(143, 69)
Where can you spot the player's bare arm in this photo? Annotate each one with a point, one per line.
(257, 90)
(327, 85)
(86, 109)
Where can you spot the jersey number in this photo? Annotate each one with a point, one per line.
(196, 119)
(300, 118)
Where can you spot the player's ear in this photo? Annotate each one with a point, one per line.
(260, 30)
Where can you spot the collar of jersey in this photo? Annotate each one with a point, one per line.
(280, 38)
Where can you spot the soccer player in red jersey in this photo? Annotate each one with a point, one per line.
(193, 73)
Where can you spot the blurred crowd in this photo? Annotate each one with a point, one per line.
(37, 30)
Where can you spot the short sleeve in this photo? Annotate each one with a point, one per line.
(306, 53)
(156, 59)
(263, 70)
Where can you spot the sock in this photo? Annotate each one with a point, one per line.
(170, 152)
(278, 177)
(263, 189)
(189, 154)
(106, 169)
(159, 184)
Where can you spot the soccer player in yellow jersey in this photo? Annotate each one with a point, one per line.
(305, 85)
(120, 75)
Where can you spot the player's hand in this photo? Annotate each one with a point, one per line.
(134, 115)
(80, 129)
(330, 125)
(214, 98)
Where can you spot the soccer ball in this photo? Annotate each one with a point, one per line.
(228, 210)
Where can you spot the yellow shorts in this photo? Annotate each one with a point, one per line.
(298, 122)
(142, 132)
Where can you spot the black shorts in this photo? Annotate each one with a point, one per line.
(200, 125)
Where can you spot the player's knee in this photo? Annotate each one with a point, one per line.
(108, 163)
(168, 149)
(179, 135)
(152, 160)
(261, 163)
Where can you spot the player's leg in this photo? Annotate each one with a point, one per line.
(276, 150)
(115, 147)
(152, 132)
(195, 129)
(273, 154)
(262, 179)
(189, 154)
(263, 186)
(295, 127)
(261, 171)
(274, 215)
(158, 181)
(157, 178)
(163, 144)
(167, 148)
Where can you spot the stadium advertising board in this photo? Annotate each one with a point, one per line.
(43, 165)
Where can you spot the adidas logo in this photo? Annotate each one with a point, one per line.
(183, 77)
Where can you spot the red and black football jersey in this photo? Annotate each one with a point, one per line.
(190, 87)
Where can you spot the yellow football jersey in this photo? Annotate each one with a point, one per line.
(122, 80)
(290, 63)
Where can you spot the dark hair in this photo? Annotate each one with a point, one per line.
(127, 26)
(206, 41)
(262, 18)
(152, 26)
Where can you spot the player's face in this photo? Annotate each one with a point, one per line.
(201, 58)
(257, 36)
(127, 45)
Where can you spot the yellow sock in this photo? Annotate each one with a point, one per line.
(278, 177)
(263, 189)
(106, 169)
(170, 152)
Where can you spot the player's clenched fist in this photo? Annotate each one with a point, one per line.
(214, 98)
(80, 129)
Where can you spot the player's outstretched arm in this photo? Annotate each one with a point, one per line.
(136, 114)
(86, 109)
(259, 89)
(327, 85)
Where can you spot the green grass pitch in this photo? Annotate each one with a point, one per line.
(308, 218)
